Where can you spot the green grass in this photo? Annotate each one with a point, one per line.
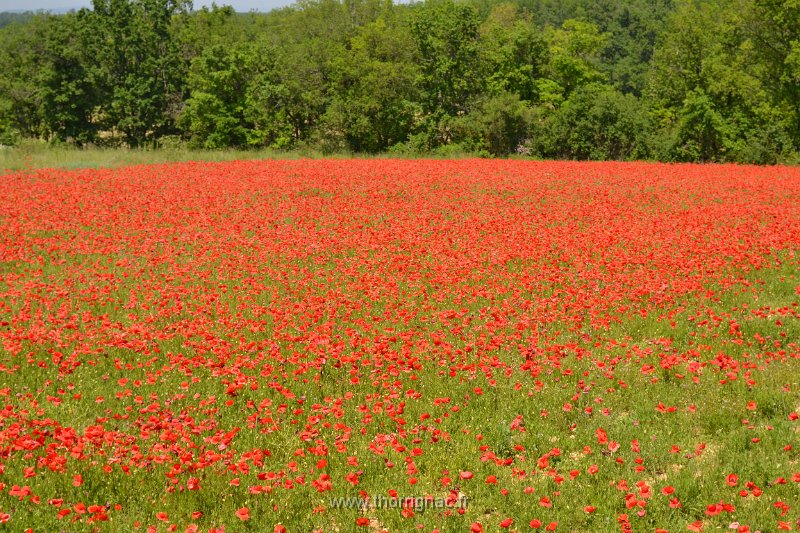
(36, 154)
(32, 154)
(716, 424)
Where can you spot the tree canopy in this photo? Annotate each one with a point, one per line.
(674, 80)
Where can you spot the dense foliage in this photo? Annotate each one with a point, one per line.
(685, 80)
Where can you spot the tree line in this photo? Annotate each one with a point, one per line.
(673, 80)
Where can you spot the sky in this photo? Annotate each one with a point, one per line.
(65, 5)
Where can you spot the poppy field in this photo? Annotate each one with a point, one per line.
(386, 345)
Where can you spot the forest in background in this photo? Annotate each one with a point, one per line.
(685, 80)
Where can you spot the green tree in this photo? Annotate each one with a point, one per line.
(498, 125)
(288, 100)
(288, 97)
(703, 134)
(709, 90)
(633, 27)
(596, 122)
(140, 65)
(22, 56)
(446, 35)
(373, 104)
(7, 18)
(513, 52)
(215, 113)
(773, 26)
(66, 79)
(574, 51)
(207, 27)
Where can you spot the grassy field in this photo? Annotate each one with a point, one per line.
(385, 345)
(35, 154)
(32, 154)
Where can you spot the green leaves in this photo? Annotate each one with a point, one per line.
(446, 37)
(513, 52)
(142, 71)
(575, 54)
(596, 122)
(499, 125)
(703, 134)
(374, 102)
(215, 113)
